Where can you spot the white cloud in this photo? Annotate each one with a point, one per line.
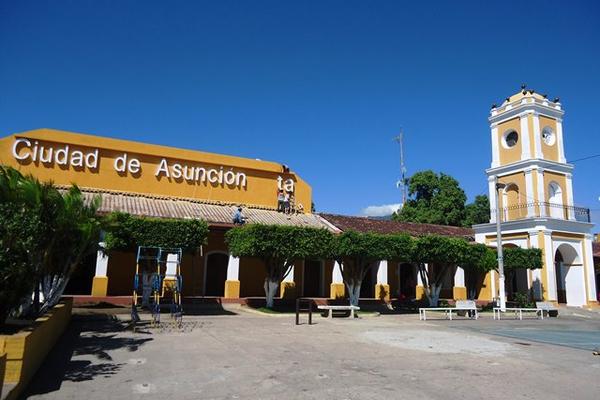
(380, 211)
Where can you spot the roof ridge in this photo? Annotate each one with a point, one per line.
(398, 222)
(166, 197)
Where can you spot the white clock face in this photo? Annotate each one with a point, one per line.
(548, 136)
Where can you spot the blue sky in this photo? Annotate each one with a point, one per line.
(322, 86)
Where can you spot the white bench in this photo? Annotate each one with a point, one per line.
(461, 305)
(339, 308)
(547, 307)
(518, 312)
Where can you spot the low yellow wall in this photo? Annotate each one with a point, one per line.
(2, 364)
(26, 350)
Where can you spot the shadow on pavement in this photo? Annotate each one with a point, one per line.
(91, 336)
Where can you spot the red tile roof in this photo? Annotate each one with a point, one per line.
(366, 224)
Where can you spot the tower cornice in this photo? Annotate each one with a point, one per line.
(533, 163)
(516, 109)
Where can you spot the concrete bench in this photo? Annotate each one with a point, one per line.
(518, 312)
(461, 305)
(331, 309)
(547, 307)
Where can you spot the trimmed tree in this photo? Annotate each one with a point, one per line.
(478, 261)
(127, 232)
(519, 258)
(357, 252)
(278, 247)
(435, 257)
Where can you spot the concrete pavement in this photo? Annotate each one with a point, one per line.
(249, 356)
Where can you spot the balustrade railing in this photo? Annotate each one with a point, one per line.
(543, 209)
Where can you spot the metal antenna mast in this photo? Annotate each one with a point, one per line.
(401, 184)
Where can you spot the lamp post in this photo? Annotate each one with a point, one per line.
(499, 249)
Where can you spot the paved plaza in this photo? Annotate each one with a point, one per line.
(243, 355)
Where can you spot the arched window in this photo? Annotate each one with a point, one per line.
(556, 201)
(511, 201)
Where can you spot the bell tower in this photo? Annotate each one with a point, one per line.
(533, 183)
(528, 158)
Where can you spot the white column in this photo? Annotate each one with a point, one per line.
(495, 146)
(336, 276)
(419, 280)
(382, 273)
(559, 141)
(492, 197)
(290, 275)
(541, 191)
(570, 201)
(459, 277)
(589, 268)
(524, 136)
(233, 268)
(536, 274)
(101, 260)
(529, 194)
(550, 270)
(493, 284)
(537, 136)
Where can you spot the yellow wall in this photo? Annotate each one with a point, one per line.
(550, 152)
(260, 189)
(512, 154)
(27, 350)
(252, 277)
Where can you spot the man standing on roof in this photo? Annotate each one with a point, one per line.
(238, 217)
(280, 201)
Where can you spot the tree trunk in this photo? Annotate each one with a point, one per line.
(270, 290)
(353, 293)
(433, 294)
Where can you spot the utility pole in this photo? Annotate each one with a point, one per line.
(502, 290)
(401, 184)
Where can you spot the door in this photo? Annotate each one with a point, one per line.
(216, 274)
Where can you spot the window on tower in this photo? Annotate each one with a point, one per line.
(548, 136)
(511, 138)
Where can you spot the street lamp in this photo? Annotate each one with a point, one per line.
(499, 249)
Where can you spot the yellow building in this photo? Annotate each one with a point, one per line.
(164, 182)
(158, 181)
(528, 164)
(535, 192)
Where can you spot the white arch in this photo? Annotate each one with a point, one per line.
(507, 188)
(571, 272)
(555, 199)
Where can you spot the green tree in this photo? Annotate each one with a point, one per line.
(57, 230)
(127, 232)
(18, 232)
(477, 261)
(435, 257)
(477, 212)
(436, 199)
(278, 246)
(358, 252)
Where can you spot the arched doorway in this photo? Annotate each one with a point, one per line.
(408, 281)
(367, 288)
(215, 273)
(570, 280)
(313, 278)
